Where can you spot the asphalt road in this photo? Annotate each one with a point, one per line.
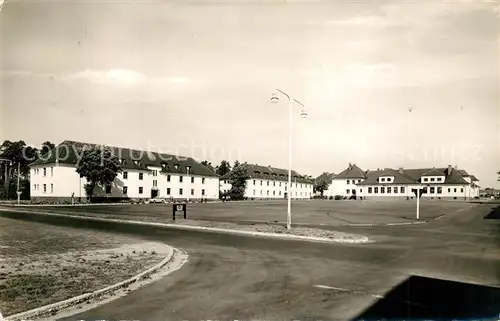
(232, 277)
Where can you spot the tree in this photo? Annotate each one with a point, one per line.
(208, 164)
(99, 166)
(46, 147)
(320, 186)
(223, 168)
(238, 179)
(14, 154)
(236, 164)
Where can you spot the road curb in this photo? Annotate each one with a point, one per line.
(348, 239)
(51, 309)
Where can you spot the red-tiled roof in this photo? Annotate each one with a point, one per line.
(433, 172)
(68, 153)
(412, 176)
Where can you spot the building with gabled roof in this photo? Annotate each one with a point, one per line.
(145, 174)
(267, 182)
(449, 182)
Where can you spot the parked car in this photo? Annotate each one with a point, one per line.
(157, 200)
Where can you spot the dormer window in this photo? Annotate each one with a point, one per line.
(382, 179)
(176, 166)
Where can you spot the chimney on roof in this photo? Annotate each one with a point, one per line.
(448, 171)
(401, 170)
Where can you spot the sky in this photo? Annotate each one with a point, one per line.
(385, 84)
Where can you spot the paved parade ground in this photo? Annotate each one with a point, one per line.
(306, 212)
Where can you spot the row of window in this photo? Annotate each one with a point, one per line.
(432, 179)
(36, 171)
(297, 185)
(279, 193)
(394, 190)
(37, 187)
(169, 191)
(353, 181)
(169, 178)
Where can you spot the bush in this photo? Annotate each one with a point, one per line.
(330, 198)
(339, 197)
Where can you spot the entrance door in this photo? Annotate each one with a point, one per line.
(154, 193)
(285, 195)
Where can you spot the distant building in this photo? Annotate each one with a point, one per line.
(271, 183)
(327, 177)
(144, 175)
(449, 183)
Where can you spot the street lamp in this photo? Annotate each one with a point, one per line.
(275, 99)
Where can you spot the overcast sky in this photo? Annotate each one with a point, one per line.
(386, 84)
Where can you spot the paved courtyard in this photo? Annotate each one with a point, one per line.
(306, 212)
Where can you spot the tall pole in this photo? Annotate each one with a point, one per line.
(289, 209)
(418, 203)
(189, 183)
(18, 174)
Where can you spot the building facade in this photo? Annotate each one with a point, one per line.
(271, 183)
(144, 175)
(435, 183)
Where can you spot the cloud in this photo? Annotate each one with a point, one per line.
(111, 76)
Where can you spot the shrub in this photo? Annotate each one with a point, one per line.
(338, 197)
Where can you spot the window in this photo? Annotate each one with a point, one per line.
(267, 183)
(382, 190)
(180, 191)
(376, 190)
(141, 176)
(168, 191)
(274, 192)
(125, 189)
(432, 179)
(462, 190)
(44, 172)
(280, 184)
(260, 183)
(395, 189)
(203, 180)
(425, 179)
(455, 190)
(254, 192)
(140, 189)
(168, 178)
(52, 188)
(267, 193)
(180, 179)
(192, 191)
(202, 192)
(155, 182)
(45, 187)
(389, 190)
(52, 171)
(369, 190)
(361, 190)
(402, 190)
(125, 175)
(440, 190)
(382, 179)
(449, 190)
(274, 183)
(425, 190)
(192, 179)
(439, 179)
(348, 182)
(280, 193)
(433, 190)
(254, 182)
(359, 181)
(348, 191)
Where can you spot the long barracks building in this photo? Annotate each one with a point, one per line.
(266, 182)
(144, 175)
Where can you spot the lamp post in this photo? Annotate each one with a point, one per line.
(189, 183)
(275, 99)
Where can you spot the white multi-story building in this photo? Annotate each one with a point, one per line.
(144, 175)
(271, 183)
(435, 183)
